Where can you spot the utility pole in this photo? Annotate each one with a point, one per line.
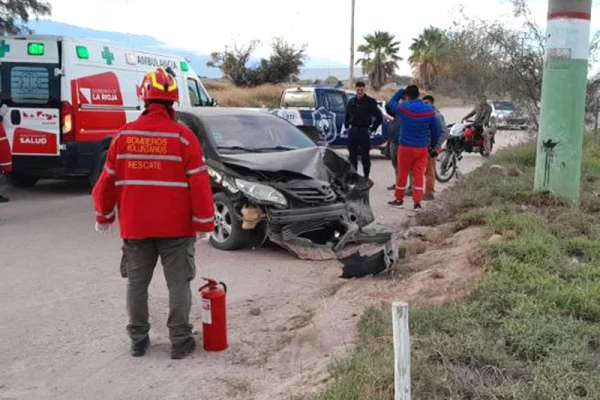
(560, 139)
(351, 82)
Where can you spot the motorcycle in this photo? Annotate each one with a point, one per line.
(462, 139)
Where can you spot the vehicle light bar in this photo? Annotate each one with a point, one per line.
(82, 52)
(35, 49)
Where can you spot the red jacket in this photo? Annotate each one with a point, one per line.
(156, 177)
(5, 157)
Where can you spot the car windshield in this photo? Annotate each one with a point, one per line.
(299, 99)
(504, 105)
(254, 133)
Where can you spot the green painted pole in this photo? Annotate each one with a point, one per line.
(560, 139)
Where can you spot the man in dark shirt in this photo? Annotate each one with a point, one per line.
(363, 117)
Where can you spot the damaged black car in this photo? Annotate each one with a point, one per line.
(271, 182)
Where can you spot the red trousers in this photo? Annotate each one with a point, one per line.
(411, 159)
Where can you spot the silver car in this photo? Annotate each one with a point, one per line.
(507, 114)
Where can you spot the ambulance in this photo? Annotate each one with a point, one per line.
(67, 97)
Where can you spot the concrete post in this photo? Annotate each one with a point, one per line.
(351, 81)
(560, 140)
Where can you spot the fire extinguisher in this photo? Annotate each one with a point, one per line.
(214, 322)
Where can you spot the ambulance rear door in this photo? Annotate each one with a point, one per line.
(30, 87)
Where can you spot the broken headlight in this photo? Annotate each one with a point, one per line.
(260, 192)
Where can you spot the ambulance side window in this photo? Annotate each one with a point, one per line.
(194, 91)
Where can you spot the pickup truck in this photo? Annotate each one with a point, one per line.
(320, 113)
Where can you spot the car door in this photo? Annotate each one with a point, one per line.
(336, 103)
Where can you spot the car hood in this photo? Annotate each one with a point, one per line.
(308, 162)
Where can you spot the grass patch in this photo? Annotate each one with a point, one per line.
(531, 327)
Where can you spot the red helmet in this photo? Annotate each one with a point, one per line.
(159, 85)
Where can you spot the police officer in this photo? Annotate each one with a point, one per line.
(156, 177)
(363, 117)
(394, 130)
(482, 113)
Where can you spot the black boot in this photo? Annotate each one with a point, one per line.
(4, 199)
(139, 349)
(183, 350)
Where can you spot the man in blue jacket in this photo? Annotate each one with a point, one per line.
(420, 133)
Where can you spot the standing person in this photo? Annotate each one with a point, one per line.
(394, 138)
(430, 169)
(156, 177)
(482, 113)
(363, 117)
(5, 155)
(420, 131)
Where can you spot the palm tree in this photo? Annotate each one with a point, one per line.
(427, 55)
(380, 57)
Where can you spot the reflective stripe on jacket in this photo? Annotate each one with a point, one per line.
(156, 179)
(5, 156)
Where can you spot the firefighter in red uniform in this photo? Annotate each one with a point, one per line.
(5, 156)
(156, 179)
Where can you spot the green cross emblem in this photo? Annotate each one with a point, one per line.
(4, 48)
(108, 56)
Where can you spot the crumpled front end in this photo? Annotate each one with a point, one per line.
(325, 211)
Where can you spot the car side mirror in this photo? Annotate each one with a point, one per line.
(213, 103)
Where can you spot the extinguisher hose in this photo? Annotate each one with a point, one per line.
(224, 286)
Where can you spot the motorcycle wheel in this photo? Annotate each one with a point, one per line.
(445, 167)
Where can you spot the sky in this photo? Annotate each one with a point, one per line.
(205, 26)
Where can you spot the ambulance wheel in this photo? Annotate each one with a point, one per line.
(23, 181)
(228, 234)
(98, 167)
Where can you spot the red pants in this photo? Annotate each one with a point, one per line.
(411, 159)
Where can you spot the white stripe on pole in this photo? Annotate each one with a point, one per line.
(568, 38)
(401, 351)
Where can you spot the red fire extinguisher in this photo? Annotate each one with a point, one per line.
(214, 322)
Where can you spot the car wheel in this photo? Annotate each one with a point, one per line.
(228, 233)
(95, 174)
(23, 181)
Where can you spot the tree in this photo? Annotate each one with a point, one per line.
(380, 57)
(283, 64)
(285, 61)
(427, 55)
(331, 80)
(15, 13)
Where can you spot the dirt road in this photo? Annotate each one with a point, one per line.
(62, 308)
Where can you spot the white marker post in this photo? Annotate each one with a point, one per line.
(401, 351)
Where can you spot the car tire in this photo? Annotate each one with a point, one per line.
(228, 234)
(22, 181)
(98, 167)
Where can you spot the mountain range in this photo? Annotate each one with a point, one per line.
(315, 68)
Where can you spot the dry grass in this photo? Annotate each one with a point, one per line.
(230, 96)
(270, 95)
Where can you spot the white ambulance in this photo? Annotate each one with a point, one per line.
(67, 97)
